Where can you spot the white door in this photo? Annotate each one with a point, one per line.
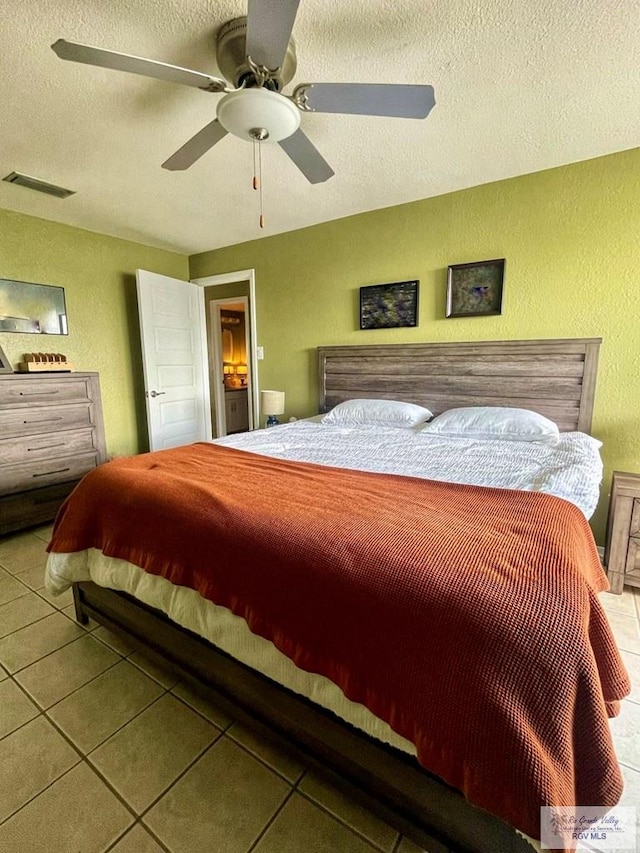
(173, 358)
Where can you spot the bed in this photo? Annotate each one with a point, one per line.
(554, 378)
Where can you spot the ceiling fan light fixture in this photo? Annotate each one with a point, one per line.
(247, 110)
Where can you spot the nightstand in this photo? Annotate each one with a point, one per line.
(622, 552)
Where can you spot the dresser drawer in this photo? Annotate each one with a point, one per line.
(29, 391)
(30, 475)
(35, 447)
(34, 507)
(41, 419)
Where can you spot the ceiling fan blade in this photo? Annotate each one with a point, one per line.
(136, 65)
(269, 25)
(307, 157)
(370, 99)
(198, 145)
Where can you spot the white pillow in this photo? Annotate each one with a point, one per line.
(390, 413)
(495, 422)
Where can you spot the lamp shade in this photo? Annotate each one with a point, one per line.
(242, 370)
(272, 402)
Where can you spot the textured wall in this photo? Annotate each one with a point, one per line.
(98, 275)
(572, 244)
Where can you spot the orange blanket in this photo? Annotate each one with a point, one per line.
(466, 617)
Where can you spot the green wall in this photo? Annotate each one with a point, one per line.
(571, 237)
(98, 275)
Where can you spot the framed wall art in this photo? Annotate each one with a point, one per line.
(5, 364)
(475, 290)
(386, 306)
(32, 308)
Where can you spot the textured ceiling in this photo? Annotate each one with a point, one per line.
(520, 86)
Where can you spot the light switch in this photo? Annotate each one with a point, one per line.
(260, 353)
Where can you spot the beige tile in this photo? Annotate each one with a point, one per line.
(145, 757)
(44, 533)
(77, 814)
(270, 748)
(31, 758)
(207, 702)
(94, 712)
(17, 542)
(22, 611)
(240, 793)
(3, 673)
(29, 644)
(54, 677)
(15, 708)
(632, 663)
(302, 826)
(11, 589)
(631, 794)
(123, 645)
(31, 552)
(155, 666)
(623, 603)
(326, 792)
(626, 630)
(33, 577)
(137, 840)
(625, 729)
(64, 599)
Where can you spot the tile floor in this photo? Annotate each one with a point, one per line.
(104, 749)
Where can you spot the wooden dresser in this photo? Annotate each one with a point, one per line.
(51, 434)
(622, 552)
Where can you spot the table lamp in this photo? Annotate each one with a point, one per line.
(272, 404)
(242, 372)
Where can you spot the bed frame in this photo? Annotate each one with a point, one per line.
(553, 377)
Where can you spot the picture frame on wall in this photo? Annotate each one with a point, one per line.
(388, 306)
(475, 289)
(5, 364)
(28, 308)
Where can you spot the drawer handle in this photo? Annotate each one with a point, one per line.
(38, 393)
(43, 421)
(49, 473)
(45, 446)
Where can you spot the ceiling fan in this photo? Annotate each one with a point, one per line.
(257, 55)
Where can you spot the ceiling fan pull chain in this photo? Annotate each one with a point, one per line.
(260, 174)
(255, 176)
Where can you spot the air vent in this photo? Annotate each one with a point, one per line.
(38, 185)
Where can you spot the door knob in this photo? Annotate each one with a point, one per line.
(157, 393)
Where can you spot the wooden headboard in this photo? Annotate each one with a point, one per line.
(555, 377)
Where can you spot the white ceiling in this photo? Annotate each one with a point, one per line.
(521, 85)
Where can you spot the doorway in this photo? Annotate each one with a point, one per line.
(233, 412)
(234, 392)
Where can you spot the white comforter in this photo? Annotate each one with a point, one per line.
(571, 470)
